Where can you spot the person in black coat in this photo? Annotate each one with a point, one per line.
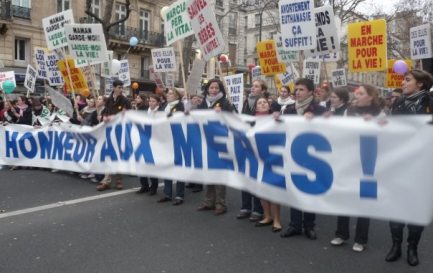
(415, 100)
(306, 106)
(22, 111)
(215, 98)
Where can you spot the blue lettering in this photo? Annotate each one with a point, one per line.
(126, 153)
(11, 144)
(33, 149)
(323, 171)
(264, 142)
(107, 147)
(91, 145)
(212, 130)
(244, 151)
(186, 148)
(58, 145)
(46, 143)
(145, 133)
(80, 148)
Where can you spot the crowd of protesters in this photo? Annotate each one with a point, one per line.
(305, 100)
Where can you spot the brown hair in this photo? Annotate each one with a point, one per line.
(342, 93)
(372, 92)
(423, 77)
(263, 85)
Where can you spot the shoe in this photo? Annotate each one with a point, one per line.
(243, 215)
(190, 186)
(263, 224)
(310, 234)
(163, 200)
(337, 241)
(412, 255)
(394, 253)
(142, 190)
(219, 211)
(119, 185)
(94, 180)
(177, 202)
(83, 176)
(358, 247)
(276, 229)
(204, 207)
(152, 192)
(103, 187)
(54, 171)
(290, 232)
(91, 176)
(255, 217)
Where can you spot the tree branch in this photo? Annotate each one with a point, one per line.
(128, 11)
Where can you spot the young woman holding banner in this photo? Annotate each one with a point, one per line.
(415, 100)
(215, 98)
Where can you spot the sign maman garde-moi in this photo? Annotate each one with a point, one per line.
(367, 46)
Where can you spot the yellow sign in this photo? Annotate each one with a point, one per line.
(278, 83)
(367, 46)
(78, 78)
(394, 80)
(268, 58)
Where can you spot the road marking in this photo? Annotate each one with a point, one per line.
(65, 203)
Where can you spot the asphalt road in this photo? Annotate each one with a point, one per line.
(133, 233)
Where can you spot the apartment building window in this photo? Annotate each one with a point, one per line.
(120, 14)
(233, 22)
(63, 5)
(257, 20)
(246, 23)
(96, 7)
(219, 21)
(144, 67)
(233, 53)
(21, 49)
(144, 24)
(21, 8)
(219, 3)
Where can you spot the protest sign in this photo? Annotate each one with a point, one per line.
(420, 42)
(311, 70)
(367, 46)
(54, 28)
(169, 80)
(106, 66)
(285, 56)
(30, 79)
(124, 74)
(269, 63)
(339, 77)
(164, 59)
(177, 24)
(156, 77)
(284, 162)
(86, 42)
(39, 54)
(329, 57)
(77, 76)
(327, 35)
(235, 90)
(193, 84)
(298, 29)
(60, 101)
(256, 73)
(394, 80)
(54, 76)
(206, 29)
(288, 78)
(7, 76)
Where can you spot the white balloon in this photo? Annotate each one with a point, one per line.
(115, 66)
(163, 12)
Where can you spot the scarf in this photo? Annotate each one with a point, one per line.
(211, 100)
(170, 106)
(301, 106)
(284, 103)
(252, 101)
(150, 111)
(411, 102)
(22, 108)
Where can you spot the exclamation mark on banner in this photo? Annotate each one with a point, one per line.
(332, 41)
(368, 152)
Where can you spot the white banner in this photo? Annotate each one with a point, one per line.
(311, 70)
(177, 24)
(124, 75)
(420, 42)
(235, 86)
(298, 28)
(206, 29)
(54, 28)
(338, 165)
(339, 77)
(30, 79)
(327, 35)
(164, 59)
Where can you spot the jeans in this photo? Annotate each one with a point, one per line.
(168, 189)
(251, 203)
(361, 233)
(297, 218)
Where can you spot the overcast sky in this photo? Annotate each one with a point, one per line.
(371, 6)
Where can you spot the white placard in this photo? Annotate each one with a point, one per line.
(54, 75)
(177, 24)
(54, 28)
(235, 86)
(30, 79)
(86, 42)
(330, 57)
(124, 74)
(60, 101)
(156, 77)
(312, 70)
(298, 28)
(284, 55)
(7, 76)
(420, 42)
(39, 54)
(106, 66)
(256, 73)
(164, 59)
(290, 76)
(339, 77)
(327, 32)
(169, 80)
(206, 29)
(195, 76)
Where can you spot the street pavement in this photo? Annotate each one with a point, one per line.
(120, 231)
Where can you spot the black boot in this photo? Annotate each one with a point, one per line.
(412, 255)
(394, 253)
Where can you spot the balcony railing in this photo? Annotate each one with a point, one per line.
(21, 12)
(5, 10)
(144, 37)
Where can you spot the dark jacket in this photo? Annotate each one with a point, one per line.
(177, 108)
(341, 110)
(26, 118)
(223, 103)
(418, 103)
(113, 107)
(314, 108)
